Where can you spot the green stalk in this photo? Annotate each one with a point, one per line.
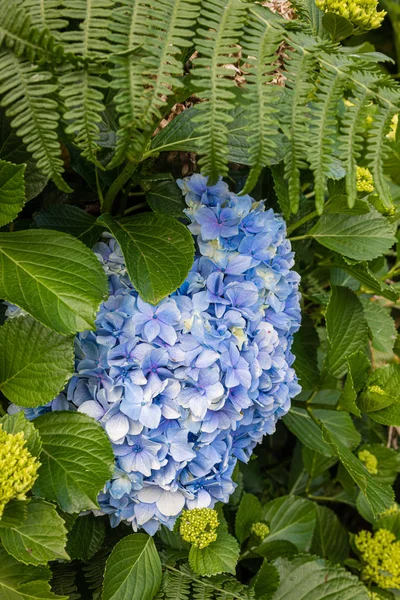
(118, 184)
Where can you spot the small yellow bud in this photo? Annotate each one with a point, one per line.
(365, 181)
(380, 555)
(198, 526)
(18, 468)
(260, 530)
(370, 461)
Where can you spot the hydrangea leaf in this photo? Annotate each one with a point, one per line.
(52, 276)
(347, 328)
(382, 327)
(70, 219)
(330, 539)
(158, 252)
(339, 27)
(315, 463)
(388, 462)
(291, 519)
(77, 460)
(249, 512)
(86, 537)
(266, 582)
(218, 557)
(381, 393)
(24, 582)
(12, 191)
(305, 346)
(165, 197)
(40, 538)
(15, 513)
(35, 362)
(314, 579)
(133, 570)
(18, 422)
(360, 237)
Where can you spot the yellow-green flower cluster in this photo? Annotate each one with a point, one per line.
(362, 13)
(18, 468)
(380, 555)
(198, 526)
(390, 511)
(260, 530)
(370, 461)
(375, 596)
(365, 181)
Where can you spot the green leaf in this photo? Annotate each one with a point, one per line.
(42, 537)
(330, 539)
(382, 391)
(21, 582)
(12, 191)
(86, 537)
(35, 362)
(291, 519)
(379, 497)
(364, 275)
(165, 197)
(69, 219)
(220, 556)
(266, 582)
(315, 463)
(18, 422)
(360, 237)
(381, 325)
(133, 570)
(346, 328)
(77, 460)
(388, 462)
(158, 252)
(358, 367)
(15, 513)
(306, 577)
(338, 27)
(304, 348)
(54, 277)
(389, 522)
(275, 548)
(249, 512)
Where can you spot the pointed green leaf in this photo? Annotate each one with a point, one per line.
(18, 422)
(220, 556)
(249, 512)
(291, 519)
(165, 197)
(12, 191)
(330, 539)
(70, 219)
(86, 537)
(14, 514)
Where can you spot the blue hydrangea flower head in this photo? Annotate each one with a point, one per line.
(186, 388)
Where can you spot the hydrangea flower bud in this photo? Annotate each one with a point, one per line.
(380, 555)
(365, 181)
(259, 530)
(18, 468)
(198, 526)
(362, 13)
(370, 461)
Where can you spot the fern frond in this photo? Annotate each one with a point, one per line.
(176, 585)
(220, 27)
(202, 592)
(324, 124)
(26, 95)
(18, 33)
(294, 110)
(63, 580)
(82, 89)
(235, 589)
(378, 147)
(353, 127)
(261, 39)
(94, 568)
(45, 14)
(149, 45)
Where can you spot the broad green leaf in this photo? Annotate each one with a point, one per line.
(330, 539)
(360, 237)
(358, 367)
(382, 391)
(18, 422)
(275, 548)
(315, 463)
(21, 582)
(281, 188)
(12, 191)
(388, 462)
(133, 570)
(266, 582)
(220, 556)
(364, 275)
(15, 513)
(158, 252)
(69, 219)
(86, 537)
(304, 348)
(381, 325)
(349, 395)
(379, 497)
(338, 27)
(42, 537)
(346, 328)
(249, 512)
(291, 519)
(77, 460)
(165, 197)
(35, 362)
(309, 578)
(52, 276)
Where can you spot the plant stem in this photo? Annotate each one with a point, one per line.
(118, 184)
(299, 237)
(322, 498)
(301, 222)
(136, 207)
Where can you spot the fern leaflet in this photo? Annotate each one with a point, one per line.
(220, 28)
(63, 580)
(45, 14)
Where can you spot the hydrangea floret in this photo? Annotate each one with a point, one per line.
(370, 461)
(186, 388)
(18, 468)
(362, 13)
(365, 181)
(380, 555)
(259, 530)
(198, 526)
